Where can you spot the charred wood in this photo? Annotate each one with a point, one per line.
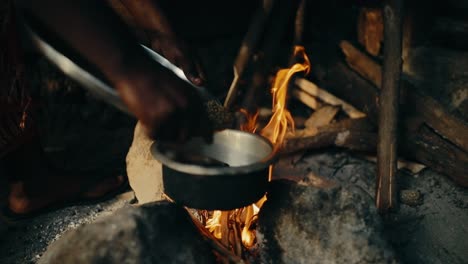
(364, 94)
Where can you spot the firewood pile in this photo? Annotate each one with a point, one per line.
(366, 105)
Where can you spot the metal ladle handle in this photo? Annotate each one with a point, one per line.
(95, 85)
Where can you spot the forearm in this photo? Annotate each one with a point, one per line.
(92, 29)
(149, 16)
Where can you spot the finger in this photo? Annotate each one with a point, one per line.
(191, 67)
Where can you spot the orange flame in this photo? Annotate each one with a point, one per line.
(281, 120)
(251, 124)
(275, 131)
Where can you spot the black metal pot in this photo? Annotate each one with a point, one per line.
(237, 178)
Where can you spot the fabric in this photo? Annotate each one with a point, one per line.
(16, 124)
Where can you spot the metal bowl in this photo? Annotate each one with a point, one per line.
(238, 178)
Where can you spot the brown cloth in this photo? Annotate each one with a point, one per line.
(16, 125)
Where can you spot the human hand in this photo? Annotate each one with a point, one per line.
(162, 38)
(168, 107)
(179, 53)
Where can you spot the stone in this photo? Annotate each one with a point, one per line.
(144, 172)
(159, 232)
(411, 197)
(305, 224)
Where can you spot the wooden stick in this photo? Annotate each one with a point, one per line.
(388, 112)
(322, 117)
(350, 85)
(432, 112)
(313, 90)
(298, 28)
(306, 99)
(362, 63)
(282, 12)
(299, 22)
(247, 47)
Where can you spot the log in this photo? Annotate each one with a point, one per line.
(348, 84)
(352, 134)
(431, 111)
(439, 154)
(314, 91)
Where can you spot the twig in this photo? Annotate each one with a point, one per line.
(237, 238)
(313, 90)
(248, 45)
(388, 112)
(215, 244)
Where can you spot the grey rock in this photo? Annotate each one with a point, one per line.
(411, 197)
(304, 224)
(158, 232)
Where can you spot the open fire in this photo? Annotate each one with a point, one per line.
(236, 228)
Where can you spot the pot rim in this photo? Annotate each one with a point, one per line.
(216, 171)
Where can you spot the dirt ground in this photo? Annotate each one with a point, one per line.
(433, 231)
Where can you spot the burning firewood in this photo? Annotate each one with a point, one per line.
(216, 244)
(314, 91)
